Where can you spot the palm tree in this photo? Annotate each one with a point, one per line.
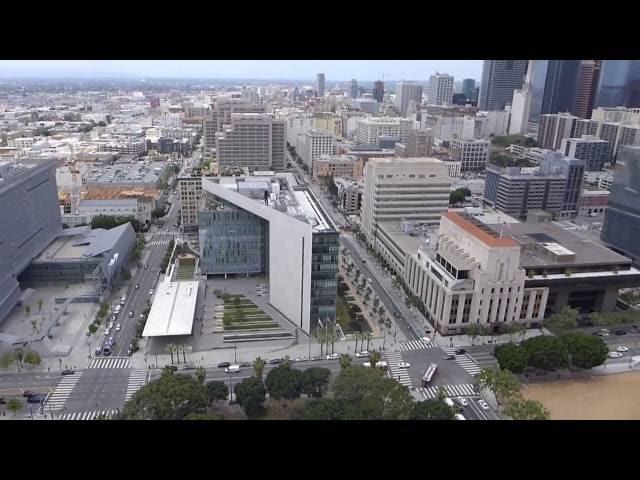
(442, 394)
(287, 360)
(201, 374)
(374, 358)
(345, 361)
(258, 367)
(170, 348)
(39, 304)
(19, 356)
(368, 336)
(184, 355)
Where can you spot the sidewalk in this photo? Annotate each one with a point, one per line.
(456, 341)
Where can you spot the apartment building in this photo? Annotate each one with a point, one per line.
(440, 89)
(220, 115)
(406, 93)
(588, 148)
(573, 170)
(350, 195)
(253, 140)
(190, 193)
(297, 124)
(345, 166)
(313, 144)
(370, 129)
(472, 154)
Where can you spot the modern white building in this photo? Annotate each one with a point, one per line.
(440, 89)
(370, 129)
(406, 92)
(497, 122)
(173, 310)
(271, 225)
(314, 143)
(297, 124)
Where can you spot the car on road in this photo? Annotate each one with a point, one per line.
(223, 364)
(35, 399)
(131, 314)
(146, 266)
(426, 339)
(188, 366)
(333, 356)
(622, 348)
(460, 351)
(621, 332)
(450, 357)
(98, 350)
(151, 292)
(107, 331)
(483, 405)
(232, 369)
(245, 364)
(110, 326)
(29, 393)
(137, 286)
(173, 368)
(463, 402)
(122, 300)
(2, 401)
(275, 361)
(129, 352)
(68, 371)
(142, 315)
(396, 314)
(615, 355)
(118, 327)
(404, 365)
(363, 354)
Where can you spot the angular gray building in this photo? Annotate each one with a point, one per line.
(30, 219)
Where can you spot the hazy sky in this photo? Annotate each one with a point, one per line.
(334, 70)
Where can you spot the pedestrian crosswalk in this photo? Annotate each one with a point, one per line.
(159, 242)
(112, 362)
(395, 372)
(137, 379)
(416, 345)
(62, 391)
(92, 415)
(461, 390)
(167, 232)
(466, 362)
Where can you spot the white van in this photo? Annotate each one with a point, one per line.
(232, 369)
(117, 309)
(459, 416)
(449, 402)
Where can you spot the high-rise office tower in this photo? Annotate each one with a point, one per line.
(320, 84)
(619, 84)
(468, 85)
(553, 85)
(405, 92)
(587, 88)
(353, 93)
(499, 79)
(593, 151)
(573, 170)
(378, 91)
(440, 90)
(253, 140)
(621, 226)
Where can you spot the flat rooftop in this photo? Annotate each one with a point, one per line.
(173, 309)
(485, 233)
(409, 243)
(557, 240)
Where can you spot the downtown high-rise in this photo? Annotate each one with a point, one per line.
(499, 79)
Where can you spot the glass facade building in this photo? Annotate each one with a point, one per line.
(324, 276)
(232, 240)
(619, 84)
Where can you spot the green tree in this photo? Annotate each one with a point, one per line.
(201, 374)
(7, 359)
(432, 409)
(344, 360)
(511, 357)
(315, 380)
(250, 394)
(585, 351)
(171, 348)
(456, 197)
(167, 371)
(258, 367)
(217, 391)
(32, 358)
(14, 405)
(546, 353)
(501, 382)
(520, 408)
(284, 382)
(171, 397)
(354, 382)
(204, 416)
(19, 356)
(374, 358)
(40, 304)
(567, 319)
(472, 330)
(323, 409)
(158, 212)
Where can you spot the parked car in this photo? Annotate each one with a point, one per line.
(615, 355)
(622, 348)
(131, 314)
(129, 352)
(68, 372)
(275, 361)
(110, 326)
(333, 356)
(483, 405)
(223, 364)
(107, 331)
(363, 354)
(151, 292)
(460, 351)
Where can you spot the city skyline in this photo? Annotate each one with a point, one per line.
(302, 70)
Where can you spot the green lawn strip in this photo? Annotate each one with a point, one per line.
(250, 327)
(343, 313)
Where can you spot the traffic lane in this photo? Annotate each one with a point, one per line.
(380, 291)
(477, 411)
(449, 372)
(98, 389)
